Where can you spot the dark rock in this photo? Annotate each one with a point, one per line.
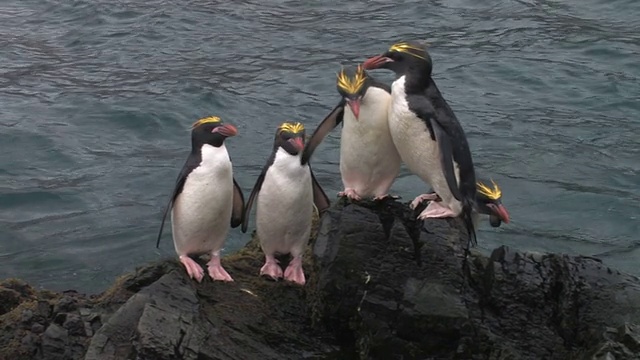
(9, 300)
(30, 344)
(630, 337)
(37, 328)
(386, 304)
(27, 318)
(94, 322)
(88, 330)
(74, 325)
(44, 308)
(65, 304)
(60, 318)
(54, 343)
(381, 285)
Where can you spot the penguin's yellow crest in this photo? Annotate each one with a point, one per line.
(291, 127)
(351, 85)
(493, 194)
(206, 120)
(405, 47)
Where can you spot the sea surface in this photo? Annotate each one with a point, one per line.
(97, 98)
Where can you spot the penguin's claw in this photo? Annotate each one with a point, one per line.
(420, 198)
(216, 271)
(386, 196)
(193, 269)
(271, 268)
(349, 193)
(294, 272)
(436, 210)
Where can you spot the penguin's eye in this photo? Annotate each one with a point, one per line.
(395, 56)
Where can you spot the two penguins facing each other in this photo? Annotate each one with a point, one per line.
(207, 201)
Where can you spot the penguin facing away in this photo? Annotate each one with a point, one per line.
(369, 161)
(206, 199)
(285, 193)
(488, 202)
(427, 133)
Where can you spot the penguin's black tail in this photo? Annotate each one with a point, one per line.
(467, 209)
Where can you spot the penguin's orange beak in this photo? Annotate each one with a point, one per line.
(297, 143)
(501, 211)
(375, 62)
(227, 130)
(354, 104)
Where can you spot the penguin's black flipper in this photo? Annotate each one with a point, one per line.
(252, 197)
(320, 199)
(446, 159)
(326, 125)
(237, 214)
(442, 135)
(191, 163)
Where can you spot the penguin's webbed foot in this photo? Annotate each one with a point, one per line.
(216, 271)
(193, 269)
(294, 272)
(386, 196)
(350, 193)
(271, 268)
(436, 210)
(420, 198)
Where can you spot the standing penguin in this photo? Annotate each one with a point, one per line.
(206, 199)
(369, 161)
(286, 192)
(427, 133)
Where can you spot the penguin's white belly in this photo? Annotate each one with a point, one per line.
(201, 214)
(369, 161)
(285, 206)
(413, 141)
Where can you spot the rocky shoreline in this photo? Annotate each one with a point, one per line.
(380, 286)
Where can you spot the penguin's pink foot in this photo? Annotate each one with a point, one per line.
(294, 271)
(271, 268)
(350, 193)
(420, 198)
(436, 210)
(385, 196)
(216, 271)
(193, 269)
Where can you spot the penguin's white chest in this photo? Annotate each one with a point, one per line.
(201, 214)
(368, 156)
(285, 205)
(411, 135)
(414, 143)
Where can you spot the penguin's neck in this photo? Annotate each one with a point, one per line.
(213, 156)
(287, 163)
(416, 82)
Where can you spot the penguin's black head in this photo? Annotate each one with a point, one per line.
(290, 137)
(489, 202)
(210, 130)
(401, 58)
(352, 84)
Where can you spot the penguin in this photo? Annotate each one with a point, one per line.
(427, 133)
(206, 199)
(285, 194)
(369, 161)
(488, 202)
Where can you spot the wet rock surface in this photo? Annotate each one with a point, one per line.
(380, 286)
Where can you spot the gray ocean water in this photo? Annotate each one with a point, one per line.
(96, 100)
